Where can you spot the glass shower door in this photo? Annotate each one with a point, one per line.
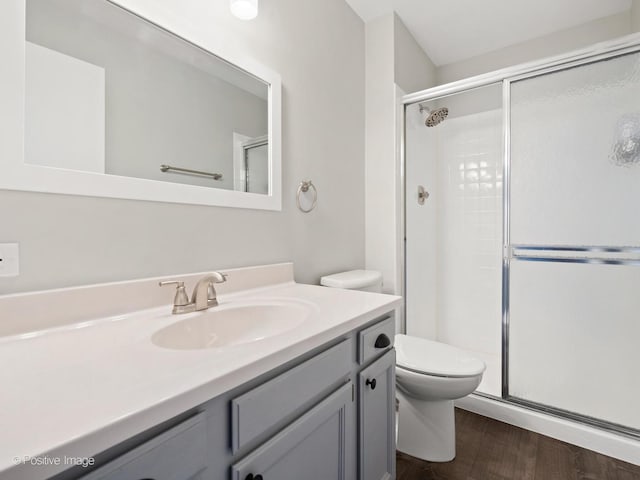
(574, 242)
(257, 168)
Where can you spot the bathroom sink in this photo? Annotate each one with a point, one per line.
(232, 324)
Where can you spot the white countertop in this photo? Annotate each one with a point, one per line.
(79, 389)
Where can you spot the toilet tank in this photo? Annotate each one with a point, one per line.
(365, 280)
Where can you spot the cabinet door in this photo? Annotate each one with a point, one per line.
(377, 456)
(314, 447)
(180, 453)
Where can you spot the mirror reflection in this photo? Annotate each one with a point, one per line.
(108, 92)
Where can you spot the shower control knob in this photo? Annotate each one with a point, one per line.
(372, 383)
(251, 476)
(382, 341)
(422, 195)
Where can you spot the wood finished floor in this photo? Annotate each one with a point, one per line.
(490, 450)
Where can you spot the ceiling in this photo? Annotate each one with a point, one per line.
(454, 30)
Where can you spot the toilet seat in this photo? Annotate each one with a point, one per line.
(427, 357)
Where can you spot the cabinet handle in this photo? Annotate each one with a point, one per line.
(251, 476)
(382, 341)
(372, 383)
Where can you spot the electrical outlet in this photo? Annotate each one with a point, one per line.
(9, 260)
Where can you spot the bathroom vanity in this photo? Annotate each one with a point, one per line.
(307, 399)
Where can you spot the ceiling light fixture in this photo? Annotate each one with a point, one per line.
(244, 9)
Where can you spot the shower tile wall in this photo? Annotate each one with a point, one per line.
(470, 237)
(454, 241)
(421, 287)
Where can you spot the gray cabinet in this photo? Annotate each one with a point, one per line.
(177, 454)
(377, 419)
(314, 447)
(376, 339)
(265, 406)
(327, 415)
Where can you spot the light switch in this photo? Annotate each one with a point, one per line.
(9, 260)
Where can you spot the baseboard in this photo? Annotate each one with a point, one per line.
(607, 443)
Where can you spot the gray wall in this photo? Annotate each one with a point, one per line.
(635, 16)
(549, 45)
(413, 69)
(318, 49)
(393, 58)
(380, 155)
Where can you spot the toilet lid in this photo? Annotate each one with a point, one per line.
(352, 279)
(435, 358)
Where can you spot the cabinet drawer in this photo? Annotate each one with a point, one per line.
(314, 446)
(382, 334)
(177, 454)
(263, 407)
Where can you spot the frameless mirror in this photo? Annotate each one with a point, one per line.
(140, 112)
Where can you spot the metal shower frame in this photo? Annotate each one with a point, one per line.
(598, 52)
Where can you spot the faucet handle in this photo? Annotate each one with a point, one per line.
(216, 277)
(181, 299)
(220, 277)
(211, 291)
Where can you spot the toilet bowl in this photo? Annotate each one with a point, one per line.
(429, 377)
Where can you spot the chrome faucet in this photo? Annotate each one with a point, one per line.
(204, 293)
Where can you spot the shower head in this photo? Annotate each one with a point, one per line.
(433, 117)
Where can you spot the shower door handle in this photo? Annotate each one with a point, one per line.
(422, 195)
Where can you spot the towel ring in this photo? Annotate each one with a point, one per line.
(304, 187)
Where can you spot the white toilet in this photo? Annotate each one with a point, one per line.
(429, 377)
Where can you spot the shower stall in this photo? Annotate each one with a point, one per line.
(522, 231)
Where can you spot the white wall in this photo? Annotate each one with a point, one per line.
(318, 48)
(64, 111)
(392, 58)
(554, 44)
